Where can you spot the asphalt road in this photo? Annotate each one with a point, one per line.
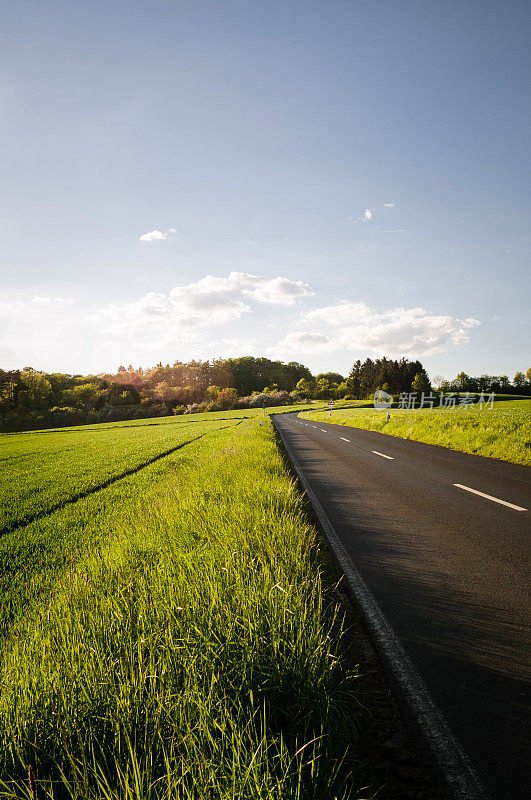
(449, 569)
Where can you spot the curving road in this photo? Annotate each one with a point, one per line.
(441, 539)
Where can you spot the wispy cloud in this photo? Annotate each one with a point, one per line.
(156, 235)
(365, 217)
(46, 301)
(389, 205)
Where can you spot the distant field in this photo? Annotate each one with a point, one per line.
(43, 470)
(500, 432)
(164, 634)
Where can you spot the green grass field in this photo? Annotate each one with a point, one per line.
(163, 632)
(503, 431)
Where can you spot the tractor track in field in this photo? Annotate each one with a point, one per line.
(119, 426)
(30, 519)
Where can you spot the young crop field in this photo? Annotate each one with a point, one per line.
(43, 470)
(163, 632)
(503, 431)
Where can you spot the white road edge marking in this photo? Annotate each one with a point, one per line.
(343, 439)
(490, 497)
(391, 458)
(452, 761)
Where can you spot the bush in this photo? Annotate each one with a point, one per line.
(66, 416)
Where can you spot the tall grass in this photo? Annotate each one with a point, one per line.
(500, 432)
(192, 655)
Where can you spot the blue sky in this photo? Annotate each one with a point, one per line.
(318, 181)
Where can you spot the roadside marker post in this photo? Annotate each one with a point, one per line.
(331, 404)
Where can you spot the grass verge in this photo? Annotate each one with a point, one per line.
(187, 652)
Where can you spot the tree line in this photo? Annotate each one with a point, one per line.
(31, 399)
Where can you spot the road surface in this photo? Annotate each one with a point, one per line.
(441, 539)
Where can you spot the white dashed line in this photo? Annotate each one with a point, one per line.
(323, 430)
(448, 753)
(383, 455)
(314, 426)
(490, 497)
(343, 439)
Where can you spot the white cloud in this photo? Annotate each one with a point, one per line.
(271, 290)
(365, 217)
(232, 348)
(49, 301)
(156, 235)
(209, 301)
(307, 342)
(399, 331)
(389, 205)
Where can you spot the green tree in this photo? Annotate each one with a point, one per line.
(462, 382)
(227, 398)
(519, 380)
(322, 388)
(421, 383)
(331, 377)
(212, 392)
(84, 394)
(305, 387)
(36, 389)
(504, 381)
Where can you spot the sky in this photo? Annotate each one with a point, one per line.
(317, 181)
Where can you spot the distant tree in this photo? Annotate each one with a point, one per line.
(421, 382)
(462, 382)
(365, 378)
(298, 371)
(212, 392)
(227, 398)
(122, 394)
(322, 388)
(36, 389)
(353, 380)
(305, 387)
(331, 377)
(10, 386)
(250, 374)
(504, 381)
(165, 392)
(81, 395)
(437, 381)
(342, 389)
(519, 380)
(528, 374)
